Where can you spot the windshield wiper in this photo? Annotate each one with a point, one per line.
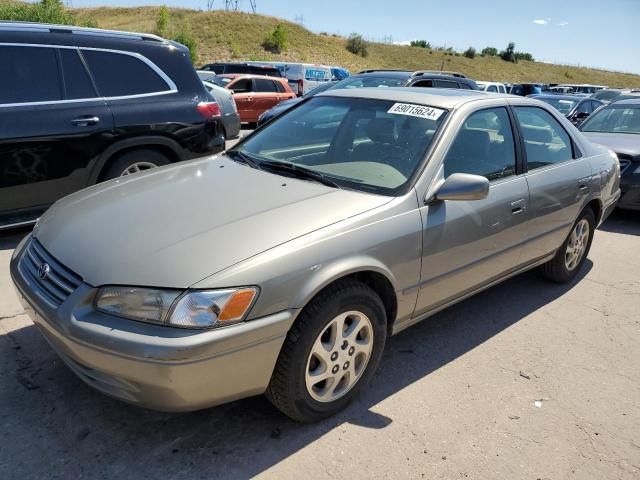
(239, 156)
(299, 172)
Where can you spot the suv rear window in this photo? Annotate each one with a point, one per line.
(119, 74)
(30, 74)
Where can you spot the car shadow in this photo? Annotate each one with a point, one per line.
(53, 412)
(11, 238)
(622, 221)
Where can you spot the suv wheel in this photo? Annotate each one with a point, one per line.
(571, 255)
(332, 349)
(135, 161)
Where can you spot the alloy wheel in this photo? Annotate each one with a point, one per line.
(577, 245)
(137, 167)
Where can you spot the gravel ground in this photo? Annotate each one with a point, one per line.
(526, 380)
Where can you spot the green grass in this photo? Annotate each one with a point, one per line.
(223, 35)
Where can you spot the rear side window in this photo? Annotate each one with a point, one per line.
(118, 74)
(77, 83)
(465, 86)
(423, 84)
(446, 84)
(263, 85)
(30, 74)
(492, 88)
(483, 146)
(546, 142)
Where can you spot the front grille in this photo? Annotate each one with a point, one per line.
(56, 284)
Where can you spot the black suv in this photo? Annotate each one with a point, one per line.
(79, 105)
(221, 68)
(402, 78)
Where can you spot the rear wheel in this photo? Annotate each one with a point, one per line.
(135, 161)
(571, 255)
(331, 351)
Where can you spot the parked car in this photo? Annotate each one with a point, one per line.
(583, 89)
(283, 265)
(79, 106)
(287, 104)
(220, 68)
(575, 108)
(229, 111)
(493, 87)
(303, 77)
(525, 89)
(608, 95)
(339, 73)
(379, 79)
(254, 94)
(617, 126)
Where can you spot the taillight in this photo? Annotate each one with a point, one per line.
(209, 109)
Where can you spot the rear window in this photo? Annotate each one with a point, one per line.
(118, 74)
(29, 74)
(371, 81)
(264, 85)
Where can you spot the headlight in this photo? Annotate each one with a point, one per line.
(190, 309)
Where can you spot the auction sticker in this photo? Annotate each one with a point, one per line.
(419, 111)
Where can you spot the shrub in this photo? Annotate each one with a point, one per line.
(276, 41)
(162, 22)
(470, 52)
(490, 51)
(524, 56)
(185, 38)
(46, 11)
(508, 55)
(357, 45)
(420, 43)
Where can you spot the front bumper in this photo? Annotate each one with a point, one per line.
(157, 367)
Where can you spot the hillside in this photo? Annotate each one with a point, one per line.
(224, 35)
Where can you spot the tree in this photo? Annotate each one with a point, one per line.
(357, 45)
(276, 41)
(524, 56)
(508, 55)
(470, 52)
(490, 51)
(162, 22)
(420, 43)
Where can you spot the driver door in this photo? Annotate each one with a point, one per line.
(468, 244)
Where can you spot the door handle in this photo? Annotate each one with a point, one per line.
(85, 121)
(583, 187)
(518, 207)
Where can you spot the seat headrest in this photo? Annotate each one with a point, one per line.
(381, 130)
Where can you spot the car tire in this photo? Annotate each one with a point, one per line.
(358, 312)
(135, 160)
(571, 255)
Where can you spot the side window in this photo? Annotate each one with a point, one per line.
(584, 107)
(546, 142)
(492, 88)
(502, 89)
(464, 86)
(445, 84)
(244, 85)
(77, 83)
(118, 74)
(30, 74)
(265, 86)
(424, 84)
(483, 146)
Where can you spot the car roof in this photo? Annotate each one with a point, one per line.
(248, 75)
(33, 27)
(437, 97)
(628, 101)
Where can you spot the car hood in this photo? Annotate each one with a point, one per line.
(177, 225)
(625, 143)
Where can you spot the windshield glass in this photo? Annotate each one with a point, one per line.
(564, 106)
(606, 94)
(370, 81)
(319, 89)
(614, 119)
(370, 145)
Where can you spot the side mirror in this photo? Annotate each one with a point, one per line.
(462, 186)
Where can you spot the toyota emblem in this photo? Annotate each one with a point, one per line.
(43, 271)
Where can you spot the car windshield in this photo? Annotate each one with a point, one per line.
(319, 89)
(370, 81)
(563, 105)
(220, 81)
(362, 144)
(614, 119)
(606, 94)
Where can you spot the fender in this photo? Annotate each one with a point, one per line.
(120, 145)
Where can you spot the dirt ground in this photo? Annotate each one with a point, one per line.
(527, 380)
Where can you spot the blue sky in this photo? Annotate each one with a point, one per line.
(594, 33)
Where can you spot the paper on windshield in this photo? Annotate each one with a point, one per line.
(419, 111)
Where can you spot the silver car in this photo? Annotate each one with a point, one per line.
(283, 266)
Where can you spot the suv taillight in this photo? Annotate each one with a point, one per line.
(209, 109)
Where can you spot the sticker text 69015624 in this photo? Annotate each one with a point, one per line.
(416, 111)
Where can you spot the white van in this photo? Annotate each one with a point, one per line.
(302, 77)
(495, 87)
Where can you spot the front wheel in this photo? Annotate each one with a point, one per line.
(331, 351)
(571, 255)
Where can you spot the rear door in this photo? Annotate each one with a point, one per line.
(245, 98)
(558, 179)
(266, 95)
(52, 126)
(470, 243)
